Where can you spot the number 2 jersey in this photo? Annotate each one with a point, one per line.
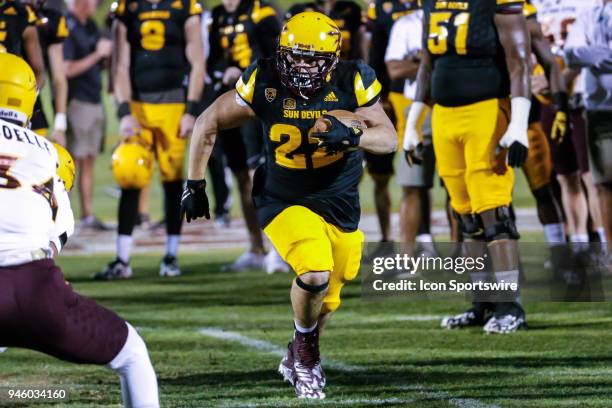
(34, 204)
(468, 61)
(156, 34)
(297, 172)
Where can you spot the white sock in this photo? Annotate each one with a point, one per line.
(172, 244)
(554, 233)
(124, 247)
(138, 380)
(601, 231)
(580, 242)
(304, 329)
(424, 238)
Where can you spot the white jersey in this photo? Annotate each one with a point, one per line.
(405, 41)
(34, 205)
(557, 16)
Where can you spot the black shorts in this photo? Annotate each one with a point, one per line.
(379, 164)
(571, 155)
(39, 120)
(40, 311)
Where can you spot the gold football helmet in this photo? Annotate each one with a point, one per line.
(308, 51)
(65, 166)
(17, 89)
(132, 165)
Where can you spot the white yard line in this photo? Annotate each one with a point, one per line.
(270, 348)
(375, 402)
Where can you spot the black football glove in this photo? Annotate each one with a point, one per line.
(194, 202)
(415, 156)
(339, 138)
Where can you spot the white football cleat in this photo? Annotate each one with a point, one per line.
(246, 261)
(117, 269)
(169, 267)
(3, 349)
(274, 263)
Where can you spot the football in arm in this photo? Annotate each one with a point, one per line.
(350, 119)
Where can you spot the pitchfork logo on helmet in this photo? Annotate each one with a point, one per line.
(308, 50)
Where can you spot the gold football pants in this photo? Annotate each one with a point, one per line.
(465, 140)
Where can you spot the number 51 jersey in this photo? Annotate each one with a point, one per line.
(469, 63)
(34, 205)
(297, 172)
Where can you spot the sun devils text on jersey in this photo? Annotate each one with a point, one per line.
(469, 63)
(297, 171)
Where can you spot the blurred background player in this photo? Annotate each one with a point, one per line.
(402, 60)
(589, 47)
(242, 31)
(307, 195)
(475, 58)
(570, 156)
(84, 54)
(20, 37)
(159, 49)
(381, 16)
(52, 31)
(538, 166)
(38, 308)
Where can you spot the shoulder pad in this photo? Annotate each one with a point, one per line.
(365, 85)
(245, 87)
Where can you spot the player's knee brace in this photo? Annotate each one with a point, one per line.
(504, 226)
(470, 226)
(314, 289)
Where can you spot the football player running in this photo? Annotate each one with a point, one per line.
(38, 308)
(476, 54)
(158, 45)
(306, 195)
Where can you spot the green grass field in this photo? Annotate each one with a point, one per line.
(376, 353)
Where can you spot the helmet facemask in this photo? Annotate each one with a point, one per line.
(304, 72)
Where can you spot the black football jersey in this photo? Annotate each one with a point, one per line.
(347, 15)
(239, 38)
(156, 33)
(469, 63)
(297, 172)
(15, 17)
(380, 18)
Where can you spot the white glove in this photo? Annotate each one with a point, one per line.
(412, 133)
(515, 139)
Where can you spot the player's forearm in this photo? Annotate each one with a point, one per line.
(405, 69)
(514, 38)
(423, 79)
(123, 86)
(202, 143)
(196, 82)
(34, 56)
(379, 139)
(77, 67)
(60, 83)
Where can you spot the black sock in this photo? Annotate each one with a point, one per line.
(128, 210)
(172, 206)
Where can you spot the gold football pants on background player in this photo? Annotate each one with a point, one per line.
(160, 130)
(538, 167)
(400, 106)
(465, 140)
(308, 243)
